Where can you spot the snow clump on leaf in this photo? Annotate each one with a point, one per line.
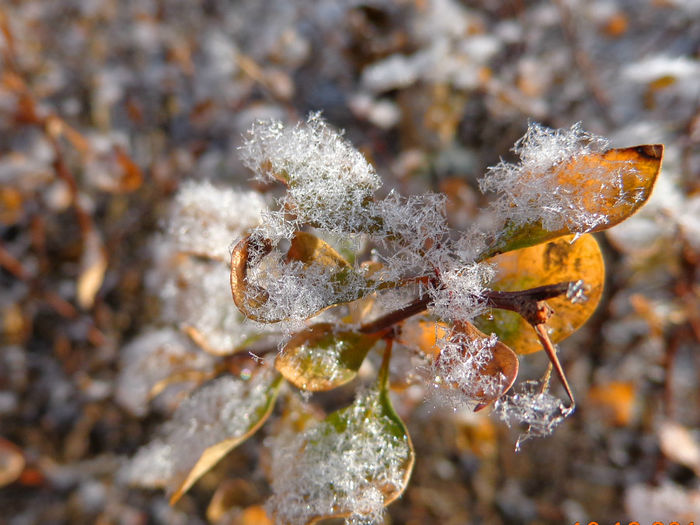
(205, 219)
(344, 466)
(225, 409)
(328, 180)
(545, 185)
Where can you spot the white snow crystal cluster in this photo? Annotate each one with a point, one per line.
(191, 277)
(334, 469)
(461, 366)
(328, 179)
(196, 297)
(206, 219)
(538, 188)
(460, 295)
(152, 357)
(332, 187)
(410, 229)
(540, 411)
(296, 291)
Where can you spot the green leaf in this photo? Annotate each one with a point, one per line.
(323, 357)
(353, 463)
(638, 168)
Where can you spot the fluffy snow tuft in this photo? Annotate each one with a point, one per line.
(223, 409)
(540, 411)
(195, 295)
(461, 366)
(206, 219)
(329, 181)
(151, 357)
(533, 190)
(295, 290)
(459, 296)
(331, 469)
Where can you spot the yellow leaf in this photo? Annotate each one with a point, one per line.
(322, 357)
(11, 462)
(590, 179)
(93, 267)
(557, 261)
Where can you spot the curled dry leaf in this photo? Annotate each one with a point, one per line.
(93, 266)
(588, 179)
(323, 357)
(494, 365)
(11, 462)
(196, 377)
(559, 260)
(248, 298)
(315, 255)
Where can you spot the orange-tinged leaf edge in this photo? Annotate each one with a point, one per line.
(212, 455)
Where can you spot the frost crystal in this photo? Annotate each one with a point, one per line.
(296, 291)
(459, 296)
(540, 411)
(341, 466)
(534, 190)
(461, 366)
(196, 296)
(411, 227)
(225, 408)
(329, 181)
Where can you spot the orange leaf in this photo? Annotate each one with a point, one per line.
(616, 399)
(590, 179)
(559, 260)
(479, 366)
(423, 335)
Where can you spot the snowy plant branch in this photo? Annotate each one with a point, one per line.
(300, 273)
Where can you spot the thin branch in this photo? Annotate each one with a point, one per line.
(385, 322)
(527, 303)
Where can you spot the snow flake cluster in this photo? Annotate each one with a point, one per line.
(545, 185)
(461, 366)
(355, 458)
